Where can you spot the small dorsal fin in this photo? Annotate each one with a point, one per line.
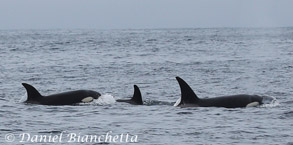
(32, 92)
(137, 96)
(187, 94)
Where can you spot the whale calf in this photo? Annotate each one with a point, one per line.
(190, 99)
(65, 98)
(136, 98)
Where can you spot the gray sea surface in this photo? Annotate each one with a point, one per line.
(214, 62)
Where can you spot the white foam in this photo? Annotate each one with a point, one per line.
(105, 99)
(177, 102)
(270, 102)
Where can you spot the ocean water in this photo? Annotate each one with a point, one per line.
(215, 62)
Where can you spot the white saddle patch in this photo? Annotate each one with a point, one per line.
(252, 104)
(87, 99)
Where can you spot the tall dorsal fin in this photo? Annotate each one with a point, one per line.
(32, 92)
(187, 94)
(137, 96)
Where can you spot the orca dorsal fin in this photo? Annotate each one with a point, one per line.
(137, 96)
(187, 94)
(32, 92)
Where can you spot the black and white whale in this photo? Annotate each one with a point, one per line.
(190, 99)
(136, 98)
(66, 98)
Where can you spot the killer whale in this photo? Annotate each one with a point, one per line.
(136, 98)
(65, 98)
(190, 99)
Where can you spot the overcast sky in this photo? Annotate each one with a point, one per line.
(135, 14)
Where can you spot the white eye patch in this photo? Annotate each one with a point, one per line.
(252, 104)
(87, 99)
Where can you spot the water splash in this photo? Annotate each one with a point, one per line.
(269, 102)
(105, 100)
